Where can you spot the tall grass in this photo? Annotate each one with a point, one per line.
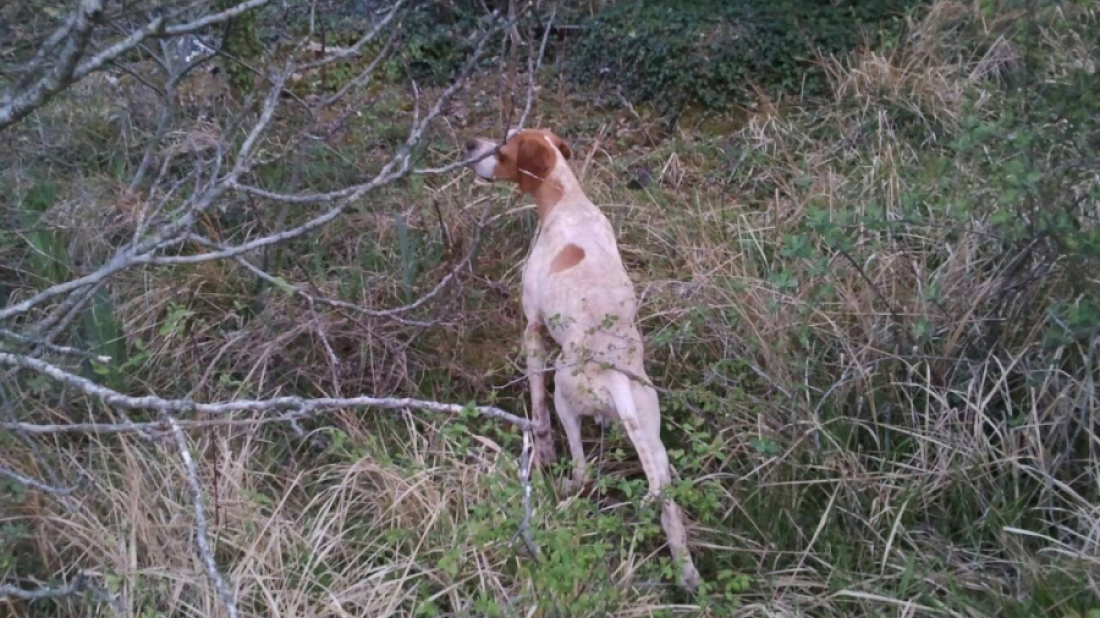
(876, 315)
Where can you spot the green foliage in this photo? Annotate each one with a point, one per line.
(241, 42)
(436, 41)
(49, 259)
(407, 251)
(103, 335)
(711, 53)
(1036, 184)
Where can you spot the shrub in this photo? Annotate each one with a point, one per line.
(711, 53)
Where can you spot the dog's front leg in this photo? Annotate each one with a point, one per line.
(536, 378)
(571, 423)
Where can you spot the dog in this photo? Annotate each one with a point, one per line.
(577, 294)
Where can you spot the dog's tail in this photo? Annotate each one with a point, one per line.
(618, 386)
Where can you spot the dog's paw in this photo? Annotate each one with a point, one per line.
(690, 578)
(573, 484)
(545, 455)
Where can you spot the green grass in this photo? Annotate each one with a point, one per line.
(871, 412)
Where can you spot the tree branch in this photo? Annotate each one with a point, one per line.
(153, 402)
(33, 484)
(201, 540)
(37, 594)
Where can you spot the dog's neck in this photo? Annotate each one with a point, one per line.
(560, 186)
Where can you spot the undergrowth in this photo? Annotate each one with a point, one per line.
(875, 314)
(717, 54)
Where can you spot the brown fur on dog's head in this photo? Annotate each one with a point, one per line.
(526, 158)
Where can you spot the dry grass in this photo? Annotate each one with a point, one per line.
(856, 453)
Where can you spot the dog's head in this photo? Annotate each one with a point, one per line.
(526, 158)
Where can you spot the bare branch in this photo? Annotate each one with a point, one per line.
(9, 413)
(171, 233)
(33, 484)
(69, 68)
(155, 428)
(153, 402)
(201, 539)
(216, 18)
(374, 313)
(357, 48)
(365, 76)
(18, 105)
(384, 176)
(525, 480)
(37, 594)
(108, 55)
(31, 68)
(533, 69)
(59, 349)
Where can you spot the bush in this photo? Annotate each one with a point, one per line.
(711, 53)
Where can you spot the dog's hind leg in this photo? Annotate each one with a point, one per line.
(640, 413)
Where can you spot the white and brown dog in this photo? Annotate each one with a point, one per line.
(576, 291)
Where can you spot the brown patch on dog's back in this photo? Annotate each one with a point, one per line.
(567, 258)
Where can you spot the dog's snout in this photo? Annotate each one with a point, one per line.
(471, 144)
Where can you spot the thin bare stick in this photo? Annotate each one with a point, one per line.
(201, 539)
(69, 68)
(18, 105)
(38, 594)
(36, 453)
(33, 484)
(533, 69)
(357, 48)
(374, 313)
(158, 428)
(58, 349)
(525, 480)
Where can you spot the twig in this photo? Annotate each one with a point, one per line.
(37, 594)
(9, 414)
(894, 313)
(525, 480)
(157, 428)
(201, 539)
(533, 69)
(153, 402)
(39, 485)
(17, 106)
(357, 48)
(374, 313)
(59, 349)
(69, 68)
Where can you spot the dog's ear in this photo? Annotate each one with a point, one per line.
(534, 161)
